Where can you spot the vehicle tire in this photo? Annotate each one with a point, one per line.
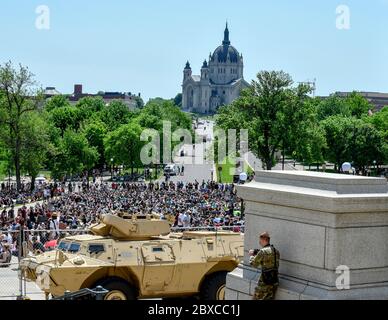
(213, 288)
(118, 289)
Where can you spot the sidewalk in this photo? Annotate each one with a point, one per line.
(256, 164)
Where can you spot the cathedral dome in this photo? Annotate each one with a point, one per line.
(225, 52)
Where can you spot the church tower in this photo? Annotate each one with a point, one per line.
(187, 72)
(205, 89)
(205, 71)
(226, 41)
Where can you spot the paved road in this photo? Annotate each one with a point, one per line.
(9, 284)
(256, 164)
(195, 161)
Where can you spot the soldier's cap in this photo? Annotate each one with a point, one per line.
(264, 235)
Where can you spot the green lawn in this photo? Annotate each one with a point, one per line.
(45, 173)
(229, 169)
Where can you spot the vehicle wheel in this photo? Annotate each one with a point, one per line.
(213, 287)
(118, 290)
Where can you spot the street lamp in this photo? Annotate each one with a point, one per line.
(219, 174)
(9, 178)
(151, 170)
(111, 168)
(374, 164)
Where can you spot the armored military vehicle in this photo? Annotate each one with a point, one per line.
(138, 257)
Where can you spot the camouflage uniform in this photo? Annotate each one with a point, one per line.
(265, 259)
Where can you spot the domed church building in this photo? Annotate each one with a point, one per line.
(220, 82)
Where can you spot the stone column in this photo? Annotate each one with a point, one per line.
(318, 222)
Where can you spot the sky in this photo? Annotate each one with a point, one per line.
(142, 46)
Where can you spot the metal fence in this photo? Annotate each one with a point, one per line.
(16, 245)
(236, 229)
(32, 242)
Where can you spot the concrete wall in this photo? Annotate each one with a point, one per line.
(318, 222)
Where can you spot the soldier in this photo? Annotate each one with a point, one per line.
(268, 259)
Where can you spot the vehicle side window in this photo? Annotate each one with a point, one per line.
(96, 248)
(74, 247)
(63, 245)
(157, 249)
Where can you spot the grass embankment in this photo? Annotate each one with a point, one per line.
(229, 170)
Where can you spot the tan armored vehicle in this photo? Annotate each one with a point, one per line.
(138, 257)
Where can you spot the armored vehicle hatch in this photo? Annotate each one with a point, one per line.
(134, 227)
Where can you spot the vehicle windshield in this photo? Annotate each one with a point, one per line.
(74, 247)
(63, 245)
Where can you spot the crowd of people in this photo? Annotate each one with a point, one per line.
(11, 196)
(190, 205)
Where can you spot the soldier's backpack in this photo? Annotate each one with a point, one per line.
(270, 276)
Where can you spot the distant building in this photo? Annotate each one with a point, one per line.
(50, 92)
(377, 99)
(128, 98)
(220, 82)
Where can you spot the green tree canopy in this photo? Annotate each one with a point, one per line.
(36, 145)
(124, 146)
(65, 118)
(116, 114)
(274, 113)
(358, 105)
(333, 105)
(73, 155)
(95, 132)
(55, 102)
(19, 97)
(89, 106)
(352, 140)
(380, 121)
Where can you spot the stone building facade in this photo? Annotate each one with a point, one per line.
(220, 82)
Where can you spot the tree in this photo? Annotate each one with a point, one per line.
(124, 145)
(35, 145)
(89, 106)
(5, 163)
(352, 140)
(358, 105)
(73, 155)
(139, 102)
(159, 110)
(298, 126)
(55, 102)
(367, 146)
(116, 114)
(95, 132)
(339, 132)
(380, 121)
(178, 100)
(271, 110)
(333, 105)
(227, 118)
(311, 146)
(65, 118)
(20, 96)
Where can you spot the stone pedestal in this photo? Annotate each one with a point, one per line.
(318, 222)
